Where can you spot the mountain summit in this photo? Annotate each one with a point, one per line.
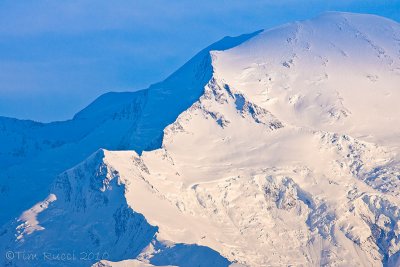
(275, 148)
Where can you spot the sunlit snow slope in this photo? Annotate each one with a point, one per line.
(290, 157)
(33, 153)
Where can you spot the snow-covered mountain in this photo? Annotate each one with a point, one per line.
(277, 148)
(32, 153)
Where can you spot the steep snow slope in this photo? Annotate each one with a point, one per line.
(32, 154)
(289, 157)
(337, 73)
(87, 217)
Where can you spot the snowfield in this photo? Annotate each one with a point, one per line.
(277, 148)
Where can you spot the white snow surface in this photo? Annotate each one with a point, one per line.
(290, 157)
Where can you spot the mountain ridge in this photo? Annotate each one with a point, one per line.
(47, 149)
(278, 162)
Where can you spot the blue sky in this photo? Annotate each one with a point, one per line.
(58, 56)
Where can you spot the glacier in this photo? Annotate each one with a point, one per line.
(275, 148)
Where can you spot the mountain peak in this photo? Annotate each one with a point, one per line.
(279, 147)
